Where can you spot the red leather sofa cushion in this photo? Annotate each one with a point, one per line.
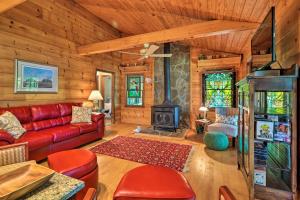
(43, 112)
(36, 139)
(65, 109)
(153, 182)
(44, 124)
(86, 127)
(75, 163)
(66, 119)
(61, 133)
(23, 114)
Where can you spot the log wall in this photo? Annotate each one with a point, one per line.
(48, 32)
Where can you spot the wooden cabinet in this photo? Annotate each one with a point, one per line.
(267, 140)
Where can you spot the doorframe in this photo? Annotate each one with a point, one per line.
(112, 91)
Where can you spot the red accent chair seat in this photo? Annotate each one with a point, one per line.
(76, 163)
(153, 182)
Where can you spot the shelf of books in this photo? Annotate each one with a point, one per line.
(267, 147)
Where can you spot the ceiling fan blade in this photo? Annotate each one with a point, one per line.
(131, 53)
(142, 58)
(161, 55)
(151, 49)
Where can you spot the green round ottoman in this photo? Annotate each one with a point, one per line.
(216, 141)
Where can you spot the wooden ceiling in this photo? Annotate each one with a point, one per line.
(133, 17)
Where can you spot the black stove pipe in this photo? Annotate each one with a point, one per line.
(167, 74)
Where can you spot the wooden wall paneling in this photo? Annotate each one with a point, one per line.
(220, 62)
(142, 114)
(47, 32)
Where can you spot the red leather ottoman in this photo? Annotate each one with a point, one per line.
(77, 163)
(153, 182)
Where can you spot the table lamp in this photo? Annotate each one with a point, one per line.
(203, 109)
(95, 96)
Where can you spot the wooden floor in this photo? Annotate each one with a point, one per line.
(208, 169)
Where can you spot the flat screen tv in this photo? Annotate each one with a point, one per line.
(263, 43)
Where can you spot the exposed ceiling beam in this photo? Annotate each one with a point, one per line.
(201, 29)
(8, 4)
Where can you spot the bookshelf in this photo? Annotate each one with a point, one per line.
(267, 140)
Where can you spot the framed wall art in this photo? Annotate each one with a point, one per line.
(35, 78)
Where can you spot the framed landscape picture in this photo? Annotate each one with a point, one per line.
(264, 130)
(35, 78)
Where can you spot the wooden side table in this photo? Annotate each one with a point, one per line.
(201, 125)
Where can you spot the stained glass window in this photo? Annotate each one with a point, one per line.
(218, 89)
(135, 85)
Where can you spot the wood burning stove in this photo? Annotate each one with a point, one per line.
(166, 115)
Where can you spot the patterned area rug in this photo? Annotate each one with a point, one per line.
(146, 151)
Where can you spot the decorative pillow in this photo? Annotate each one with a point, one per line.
(11, 125)
(230, 119)
(81, 114)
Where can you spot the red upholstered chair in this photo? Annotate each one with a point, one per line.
(150, 182)
(225, 194)
(77, 163)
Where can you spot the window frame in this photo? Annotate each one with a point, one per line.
(233, 88)
(142, 89)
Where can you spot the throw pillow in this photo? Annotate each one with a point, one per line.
(81, 114)
(10, 124)
(230, 119)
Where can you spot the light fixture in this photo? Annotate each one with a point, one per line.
(95, 96)
(203, 109)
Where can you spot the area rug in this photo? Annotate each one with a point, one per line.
(179, 133)
(146, 151)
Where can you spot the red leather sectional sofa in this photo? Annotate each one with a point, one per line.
(49, 129)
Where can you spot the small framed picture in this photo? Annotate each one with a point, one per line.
(264, 130)
(282, 132)
(260, 176)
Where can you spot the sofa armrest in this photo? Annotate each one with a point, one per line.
(97, 117)
(6, 138)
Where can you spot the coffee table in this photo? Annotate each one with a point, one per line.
(59, 187)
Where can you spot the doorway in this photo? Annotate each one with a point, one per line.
(105, 84)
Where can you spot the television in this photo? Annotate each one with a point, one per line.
(263, 43)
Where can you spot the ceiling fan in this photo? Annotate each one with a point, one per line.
(148, 51)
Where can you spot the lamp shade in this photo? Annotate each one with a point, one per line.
(202, 108)
(95, 95)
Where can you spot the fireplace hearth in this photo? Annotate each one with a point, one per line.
(166, 115)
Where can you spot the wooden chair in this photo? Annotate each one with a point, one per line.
(90, 194)
(225, 194)
(13, 153)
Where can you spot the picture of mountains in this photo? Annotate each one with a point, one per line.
(37, 77)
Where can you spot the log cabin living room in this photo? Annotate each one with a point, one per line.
(149, 99)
